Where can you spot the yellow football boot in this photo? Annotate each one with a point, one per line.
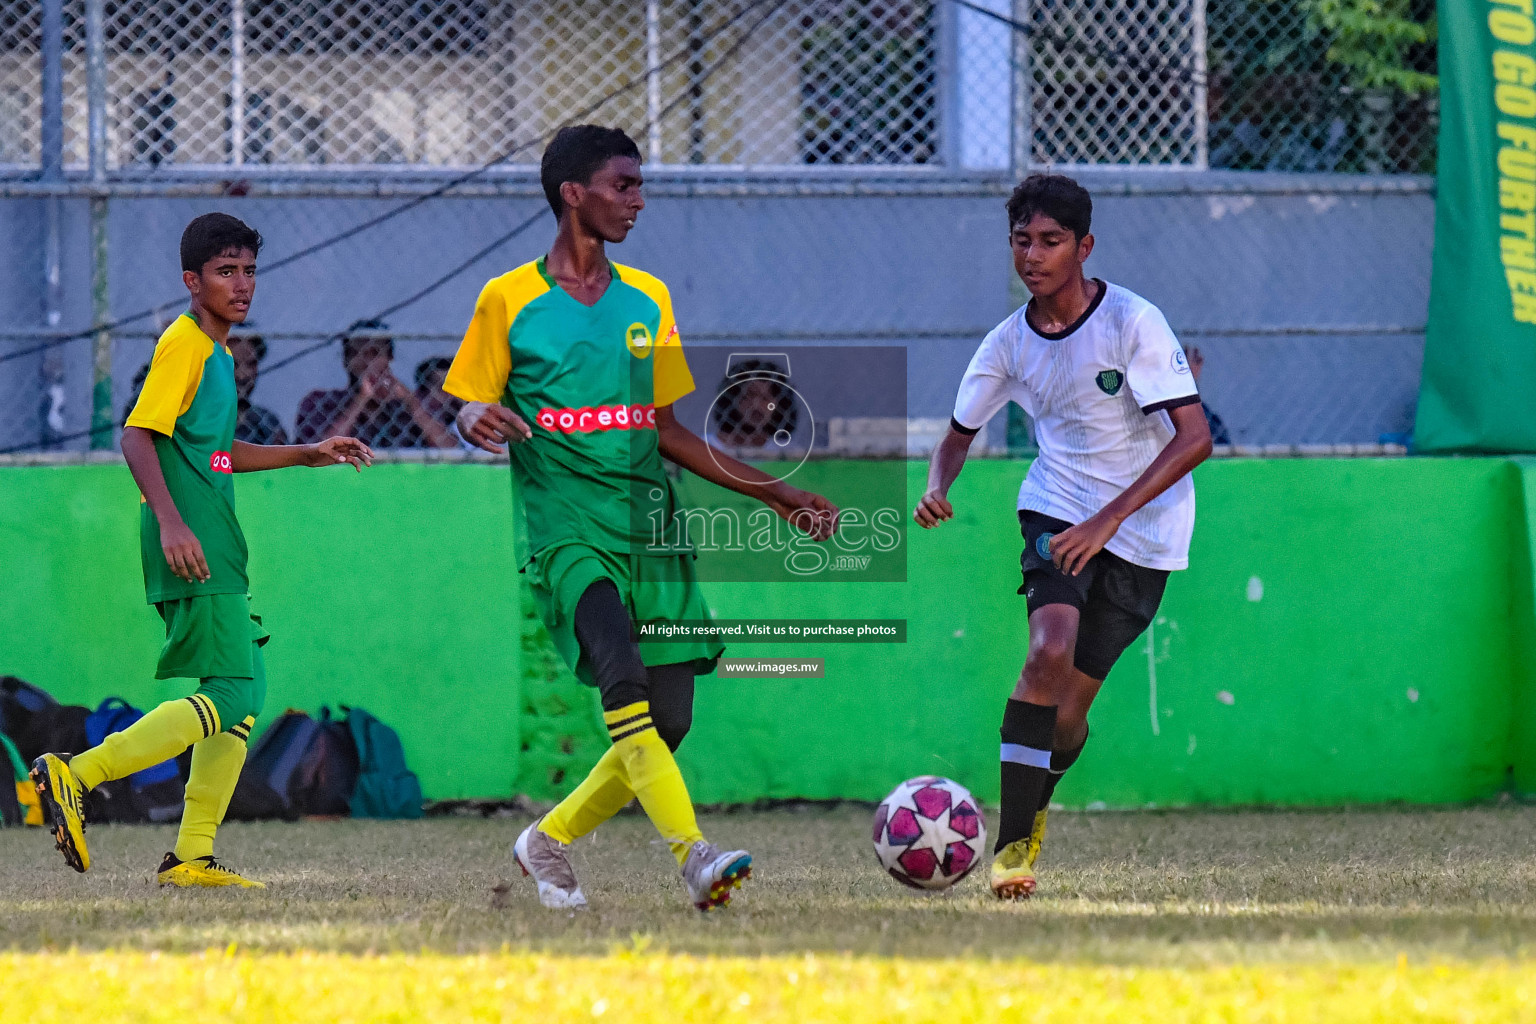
(1013, 869)
(63, 802)
(201, 873)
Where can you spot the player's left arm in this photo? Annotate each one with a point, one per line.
(805, 510)
(1191, 445)
(333, 451)
(1160, 380)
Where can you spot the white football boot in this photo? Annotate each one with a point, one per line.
(710, 875)
(545, 858)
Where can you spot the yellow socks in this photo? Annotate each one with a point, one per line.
(653, 775)
(162, 734)
(216, 764)
(601, 795)
(638, 764)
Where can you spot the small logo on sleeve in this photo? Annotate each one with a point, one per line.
(1109, 381)
(1178, 362)
(220, 462)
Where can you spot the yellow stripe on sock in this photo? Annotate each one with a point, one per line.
(639, 707)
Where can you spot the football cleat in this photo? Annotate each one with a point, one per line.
(1013, 868)
(63, 800)
(201, 873)
(544, 857)
(711, 875)
(1037, 836)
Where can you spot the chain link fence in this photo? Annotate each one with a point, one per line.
(829, 154)
(1294, 85)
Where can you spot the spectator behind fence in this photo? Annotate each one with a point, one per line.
(255, 425)
(1219, 433)
(374, 407)
(756, 406)
(440, 405)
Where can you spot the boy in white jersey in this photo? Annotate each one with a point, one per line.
(1106, 510)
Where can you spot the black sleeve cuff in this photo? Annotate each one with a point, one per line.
(956, 426)
(1172, 403)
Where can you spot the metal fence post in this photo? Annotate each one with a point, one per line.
(237, 82)
(52, 161)
(653, 80)
(101, 307)
(1020, 127)
(948, 68)
(1202, 87)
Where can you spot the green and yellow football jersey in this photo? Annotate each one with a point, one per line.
(189, 402)
(588, 381)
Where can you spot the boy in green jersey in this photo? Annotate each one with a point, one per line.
(179, 444)
(576, 362)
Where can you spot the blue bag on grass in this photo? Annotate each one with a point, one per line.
(114, 715)
(386, 788)
(152, 794)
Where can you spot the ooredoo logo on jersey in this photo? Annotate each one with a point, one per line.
(220, 462)
(588, 418)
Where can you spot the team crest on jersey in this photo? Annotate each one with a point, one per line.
(638, 340)
(1109, 381)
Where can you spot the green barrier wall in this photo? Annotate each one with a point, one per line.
(395, 589)
(1350, 631)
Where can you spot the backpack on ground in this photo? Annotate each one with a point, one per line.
(327, 773)
(153, 794)
(299, 766)
(59, 729)
(22, 708)
(386, 788)
(19, 804)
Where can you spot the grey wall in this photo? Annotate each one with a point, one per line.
(1296, 292)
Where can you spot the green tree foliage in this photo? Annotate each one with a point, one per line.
(1375, 39)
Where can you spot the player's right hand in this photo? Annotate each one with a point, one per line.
(183, 553)
(933, 510)
(492, 426)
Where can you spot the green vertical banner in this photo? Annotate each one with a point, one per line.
(1479, 386)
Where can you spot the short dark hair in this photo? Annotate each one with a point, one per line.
(576, 153)
(257, 342)
(212, 235)
(1055, 195)
(351, 342)
(425, 368)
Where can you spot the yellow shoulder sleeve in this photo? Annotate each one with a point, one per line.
(174, 375)
(484, 361)
(672, 378)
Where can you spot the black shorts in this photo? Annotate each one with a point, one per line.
(1116, 599)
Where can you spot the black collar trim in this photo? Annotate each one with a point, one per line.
(1058, 335)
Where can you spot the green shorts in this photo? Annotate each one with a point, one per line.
(207, 636)
(656, 589)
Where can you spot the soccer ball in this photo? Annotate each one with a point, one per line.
(929, 833)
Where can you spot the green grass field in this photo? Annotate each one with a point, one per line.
(1368, 915)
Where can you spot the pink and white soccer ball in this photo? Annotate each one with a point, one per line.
(929, 833)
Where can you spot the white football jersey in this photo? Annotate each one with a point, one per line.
(1099, 394)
